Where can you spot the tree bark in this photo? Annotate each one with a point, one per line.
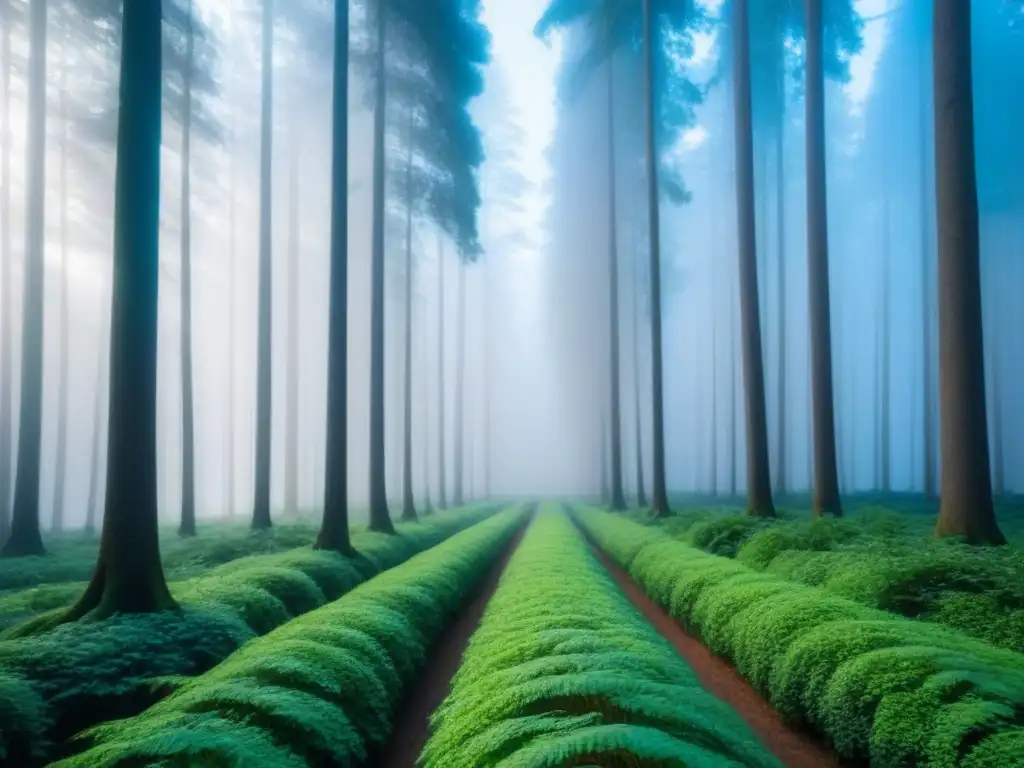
(291, 458)
(24, 537)
(759, 491)
(442, 500)
(188, 479)
(458, 446)
(380, 520)
(264, 365)
(782, 463)
(826, 480)
(60, 468)
(6, 417)
(128, 576)
(408, 499)
(334, 533)
(659, 501)
(966, 506)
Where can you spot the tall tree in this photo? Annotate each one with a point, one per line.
(459, 428)
(24, 538)
(334, 533)
(264, 378)
(927, 172)
(128, 576)
(966, 506)
(442, 500)
(826, 479)
(188, 460)
(759, 491)
(408, 499)
(6, 420)
(291, 442)
(64, 391)
(641, 496)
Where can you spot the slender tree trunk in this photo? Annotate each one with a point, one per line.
(641, 496)
(6, 416)
(733, 394)
(826, 480)
(713, 473)
(232, 278)
(264, 365)
(782, 460)
(334, 533)
(408, 499)
(966, 506)
(291, 455)
(605, 487)
(885, 449)
(128, 576)
(460, 387)
(618, 498)
(379, 517)
(188, 478)
(759, 490)
(927, 365)
(428, 508)
(60, 470)
(92, 505)
(24, 538)
(442, 500)
(659, 501)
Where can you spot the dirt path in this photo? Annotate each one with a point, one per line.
(412, 721)
(793, 748)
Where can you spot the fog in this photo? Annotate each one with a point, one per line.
(535, 393)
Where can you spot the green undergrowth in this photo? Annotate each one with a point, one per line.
(320, 690)
(878, 686)
(82, 673)
(881, 559)
(564, 671)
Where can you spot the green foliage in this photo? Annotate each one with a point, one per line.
(86, 672)
(319, 690)
(878, 686)
(564, 671)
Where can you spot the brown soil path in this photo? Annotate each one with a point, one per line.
(425, 694)
(793, 748)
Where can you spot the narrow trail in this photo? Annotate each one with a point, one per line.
(793, 748)
(412, 720)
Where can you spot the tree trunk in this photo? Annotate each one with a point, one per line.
(641, 496)
(428, 508)
(379, 517)
(885, 452)
(6, 417)
(97, 432)
(128, 576)
(188, 479)
(759, 490)
(618, 498)
(442, 500)
(24, 538)
(998, 446)
(458, 445)
(927, 365)
(605, 487)
(733, 394)
(408, 499)
(264, 364)
(487, 364)
(60, 470)
(659, 501)
(232, 277)
(966, 506)
(334, 533)
(826, 480)
(714, 406)
(291, 449)
(782, 460)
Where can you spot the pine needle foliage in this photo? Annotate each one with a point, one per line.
(564, 671)
(320, 690)
(881, 688)
(56, 681)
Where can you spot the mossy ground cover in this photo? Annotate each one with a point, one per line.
(564, 671)
(878, 686)
(882, 554)
(56, 681)
(321, 689)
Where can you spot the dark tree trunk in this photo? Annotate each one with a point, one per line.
(759, 490)
(188, 477)
(24, 538)
(966, 506)
(826, 480)
(334, 533)
(458, 445)
(408, 499)
(659, 501)
(6, 417)
(380, 520)
(618, 498)
(291, 449)
(264, 363)
(64, 392)
(782, 460)
(128, 576)
(442, 500)
(930, 456)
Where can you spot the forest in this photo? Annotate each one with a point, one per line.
(468, 383)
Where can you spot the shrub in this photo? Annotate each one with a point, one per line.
(320, 690)
(564, 671)
(87, 672)
(878, 686)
